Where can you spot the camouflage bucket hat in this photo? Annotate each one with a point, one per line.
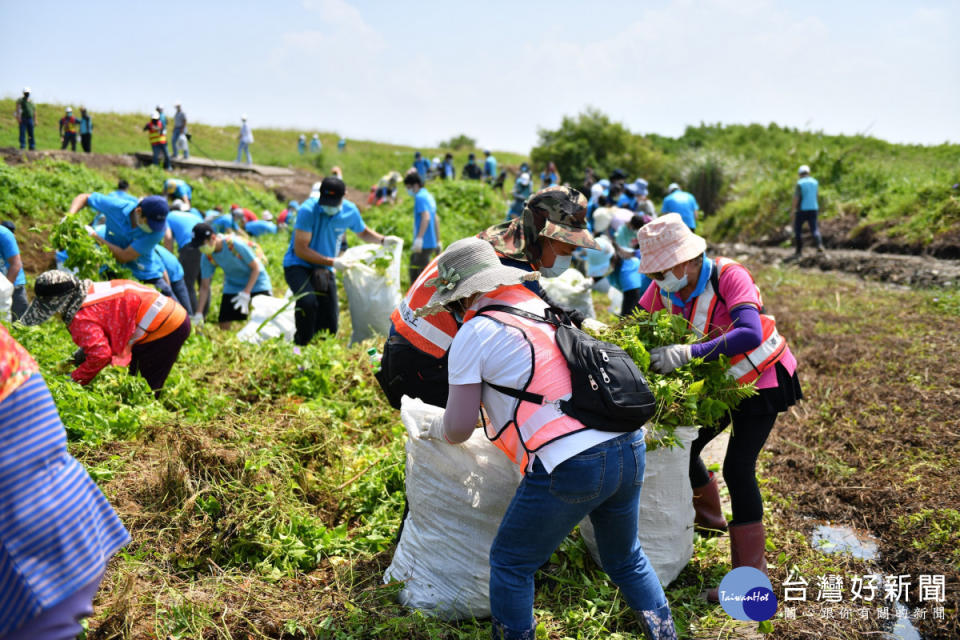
(55, 291)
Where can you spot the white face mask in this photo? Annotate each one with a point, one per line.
(560, 264)
(671, 283)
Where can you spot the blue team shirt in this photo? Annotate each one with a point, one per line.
(123, 194)
(170, 263)
(260, 227)
(181, 225)
(422, 165)
(224, 223)
(236, 268)
(627, 201)
(9, 249)
(490, 166)
(119, 232)
(807, 190)
(683, 203)
(181, 188)
(328, 231)
(424, 203)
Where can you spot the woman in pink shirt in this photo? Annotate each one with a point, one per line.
(720, 300)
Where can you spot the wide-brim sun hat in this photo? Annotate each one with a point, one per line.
(54, 292)
(666, 242)
(468, 267)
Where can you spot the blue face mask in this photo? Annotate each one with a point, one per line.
(330, 210)
(410, 192)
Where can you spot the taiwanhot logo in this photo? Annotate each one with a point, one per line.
(746, 594)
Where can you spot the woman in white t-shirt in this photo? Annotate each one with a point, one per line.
(570, 470)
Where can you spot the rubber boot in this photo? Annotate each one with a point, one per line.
(709, 520)
(658, 625)
(747, 546)
(819, 245)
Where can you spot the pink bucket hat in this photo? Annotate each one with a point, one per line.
(666, 242)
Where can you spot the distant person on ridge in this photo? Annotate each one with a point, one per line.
(426, 228)
(158, 139)
(26, 114)
(471, 170)
(180, 129)
(805, 209)
(679, 201)
(421, 164)
(489, 167)
(447, 170)
(68, 130)
(315, 144)
(244, 140)
(86, 130)
(301, 144)
(163, 121)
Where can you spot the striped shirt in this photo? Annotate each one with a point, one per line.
(57, 530)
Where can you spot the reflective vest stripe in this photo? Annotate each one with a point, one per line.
(156, 134)
(533, 425)
(431, 334)
(146, 320)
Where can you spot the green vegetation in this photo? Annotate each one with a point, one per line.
(363, 162)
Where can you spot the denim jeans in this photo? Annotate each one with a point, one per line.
(810, 217)
(604, 482)
(26, 131)
(159, 149)
(176, 136)
(242, 148)
(182, 295)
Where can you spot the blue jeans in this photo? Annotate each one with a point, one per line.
(604, 482)
(810, 217)
(26, 131)
(182, 295)
(242, 148)
(158, 150)
(176, 136)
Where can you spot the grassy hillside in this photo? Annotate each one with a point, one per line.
(363, 162)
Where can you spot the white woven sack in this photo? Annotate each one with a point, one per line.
(571, 290)
(6, 297)
(457, 496)
(278, 325)
(665, 527)
(372, 297)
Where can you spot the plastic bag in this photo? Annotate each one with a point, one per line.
(6, 297)
(265, 309)
(666, 510)
(457, 496)
(571, 290)
(372, 287)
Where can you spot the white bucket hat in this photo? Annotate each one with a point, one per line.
(803, 169)
(467, 267)
(666, 242)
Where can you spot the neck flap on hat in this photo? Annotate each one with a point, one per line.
(509, 239)
(73, 301)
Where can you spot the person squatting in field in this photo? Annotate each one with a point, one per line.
(720, 300)
(414, 361)
(58, 531)
(571, 471)
(119, 322)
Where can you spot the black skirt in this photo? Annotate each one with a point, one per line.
(775, 399)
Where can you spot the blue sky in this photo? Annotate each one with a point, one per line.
(420, 72)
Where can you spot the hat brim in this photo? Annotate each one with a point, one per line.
(483, 282)
(692, 246)
(329, 201)
(41, 310)
(579, 237)
(156, 225)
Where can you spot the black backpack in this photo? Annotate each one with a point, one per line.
(609, 392)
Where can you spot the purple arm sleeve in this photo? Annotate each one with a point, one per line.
(747, 333)
(463, 411)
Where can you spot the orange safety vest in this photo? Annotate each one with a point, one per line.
(69, 124)
(157, 316)
(431, 334)
(156, 133)
(533, 425)
(744, 367)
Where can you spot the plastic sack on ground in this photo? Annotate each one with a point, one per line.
(666, 509)
(616, 300)
(6, 297)
(571, 290)
(275, 314)
(457, 496)
(372, 285)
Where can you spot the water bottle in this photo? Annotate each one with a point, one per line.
(375, 359)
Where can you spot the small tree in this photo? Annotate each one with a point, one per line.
(462, 141)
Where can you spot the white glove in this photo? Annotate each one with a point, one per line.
(196, 319)
(593, 326)
(432, 429)
(391, 241)
(241, 302)
(90, 231)
(666, 359)
(417, 245)
(341, 265)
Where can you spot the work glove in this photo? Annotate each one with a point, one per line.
(241, 302)
(90, 231)
(341, 265)
(196, 319)
(417, 245)
(391, 242)
(666, 359)
(432, 429)
(593, 326)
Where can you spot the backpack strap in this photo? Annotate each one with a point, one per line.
(519, 394)
(554, 316)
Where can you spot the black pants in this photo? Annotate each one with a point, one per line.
(190, 261)
(69, 139)
(405, 370)
(19, 304)
(420, 260)
(631, 300)
(315, 311)
(750, 432)
(85, 139)
(154, 360)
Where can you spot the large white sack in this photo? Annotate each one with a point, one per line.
(264, 309)
(372, 296)
(457, 496)
(571, 290)
(6, 297)
(666, 509)
(616, 300)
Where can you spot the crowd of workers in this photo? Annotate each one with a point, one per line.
(443, 347)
